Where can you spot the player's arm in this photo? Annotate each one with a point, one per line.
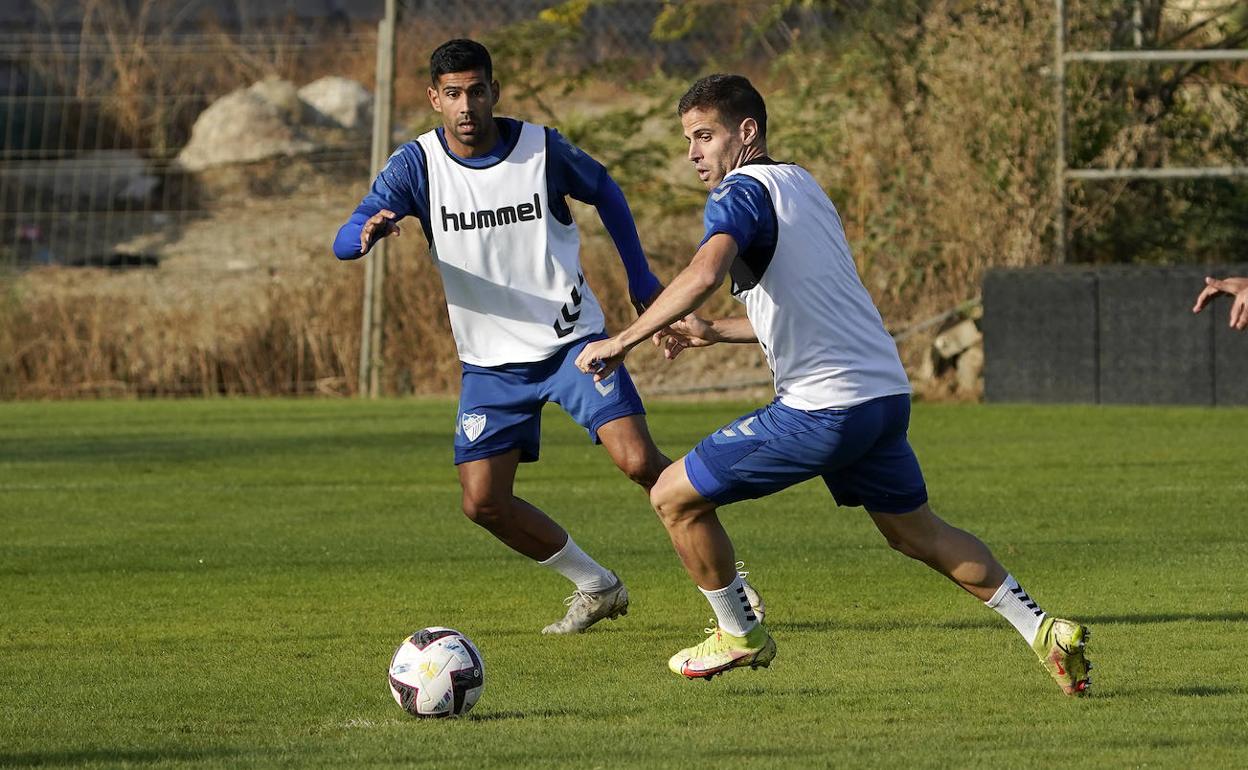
(392, 197)
(687, 291)
(585, 179)
(643, 285)
(694, 331)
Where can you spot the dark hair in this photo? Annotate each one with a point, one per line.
(460, 55)
(731, 95)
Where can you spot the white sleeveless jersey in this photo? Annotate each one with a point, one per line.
(823, 336)
(510, 270)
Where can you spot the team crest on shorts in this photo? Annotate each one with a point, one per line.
(473, 424)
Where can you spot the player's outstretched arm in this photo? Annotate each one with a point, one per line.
(693, 331)
(399, 191)
(687, 291)
(1236, 287)
(380, 225)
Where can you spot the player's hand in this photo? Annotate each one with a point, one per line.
(1214, 287)
(378, 226)
(1235, 287)
(692, 331)
(1239, 311)
(601, 358)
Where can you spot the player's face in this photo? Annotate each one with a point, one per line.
(714, 148)
(466, 101)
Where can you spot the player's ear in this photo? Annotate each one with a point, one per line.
(496, 90)
(749, 131)
(434, 100)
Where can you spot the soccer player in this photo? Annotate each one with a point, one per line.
(490, 196)
(843, 400)
(1232, 287)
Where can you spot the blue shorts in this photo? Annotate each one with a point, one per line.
(861, 452)
(500, 407)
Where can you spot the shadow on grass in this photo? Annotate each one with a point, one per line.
(108, 756)
(511, 716)
(1206, 690)
(1146, 618)
(1186, 691)
(992, 621)
(885, 625)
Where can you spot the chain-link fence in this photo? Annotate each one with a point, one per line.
(172, 174)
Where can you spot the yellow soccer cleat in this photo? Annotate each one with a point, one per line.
(1060, 645)
(722, 651)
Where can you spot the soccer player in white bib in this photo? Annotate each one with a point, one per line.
(490, 197)
(842, 402)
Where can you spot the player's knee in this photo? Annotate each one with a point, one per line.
(917, 544)
(671, 507)
(660, 499)
(643, 469)
(484, 510)
(903, 546)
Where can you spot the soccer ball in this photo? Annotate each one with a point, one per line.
(437, 672)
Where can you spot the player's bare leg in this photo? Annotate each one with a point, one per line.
(700, 541)
(964, 559)
(954, 553)
(628, 441)
(739, 638)
(489, 500)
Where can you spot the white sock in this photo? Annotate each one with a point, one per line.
(576, 565)
(1017, 607)
(732, 608)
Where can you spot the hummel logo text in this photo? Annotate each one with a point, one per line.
(506, 215)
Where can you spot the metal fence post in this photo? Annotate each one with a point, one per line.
(1059, 75)
(373, 315)
(1062, 57)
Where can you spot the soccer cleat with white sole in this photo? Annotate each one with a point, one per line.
(1060, 645)
(586, 609)
(722, 652)
(751, 594)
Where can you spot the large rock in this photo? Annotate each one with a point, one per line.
(970, 370)
(956, 339)
(261, 121)
(340, 102)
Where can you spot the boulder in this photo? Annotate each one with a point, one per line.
(956, 339)
(260, 121)
(340, 102)
(970, 367)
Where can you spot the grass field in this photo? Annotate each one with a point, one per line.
(221, 583)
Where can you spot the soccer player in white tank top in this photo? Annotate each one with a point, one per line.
(842, 406)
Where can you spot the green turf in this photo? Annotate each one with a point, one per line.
(221, 583)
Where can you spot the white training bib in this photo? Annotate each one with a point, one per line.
(511, 271)
(823, 336)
